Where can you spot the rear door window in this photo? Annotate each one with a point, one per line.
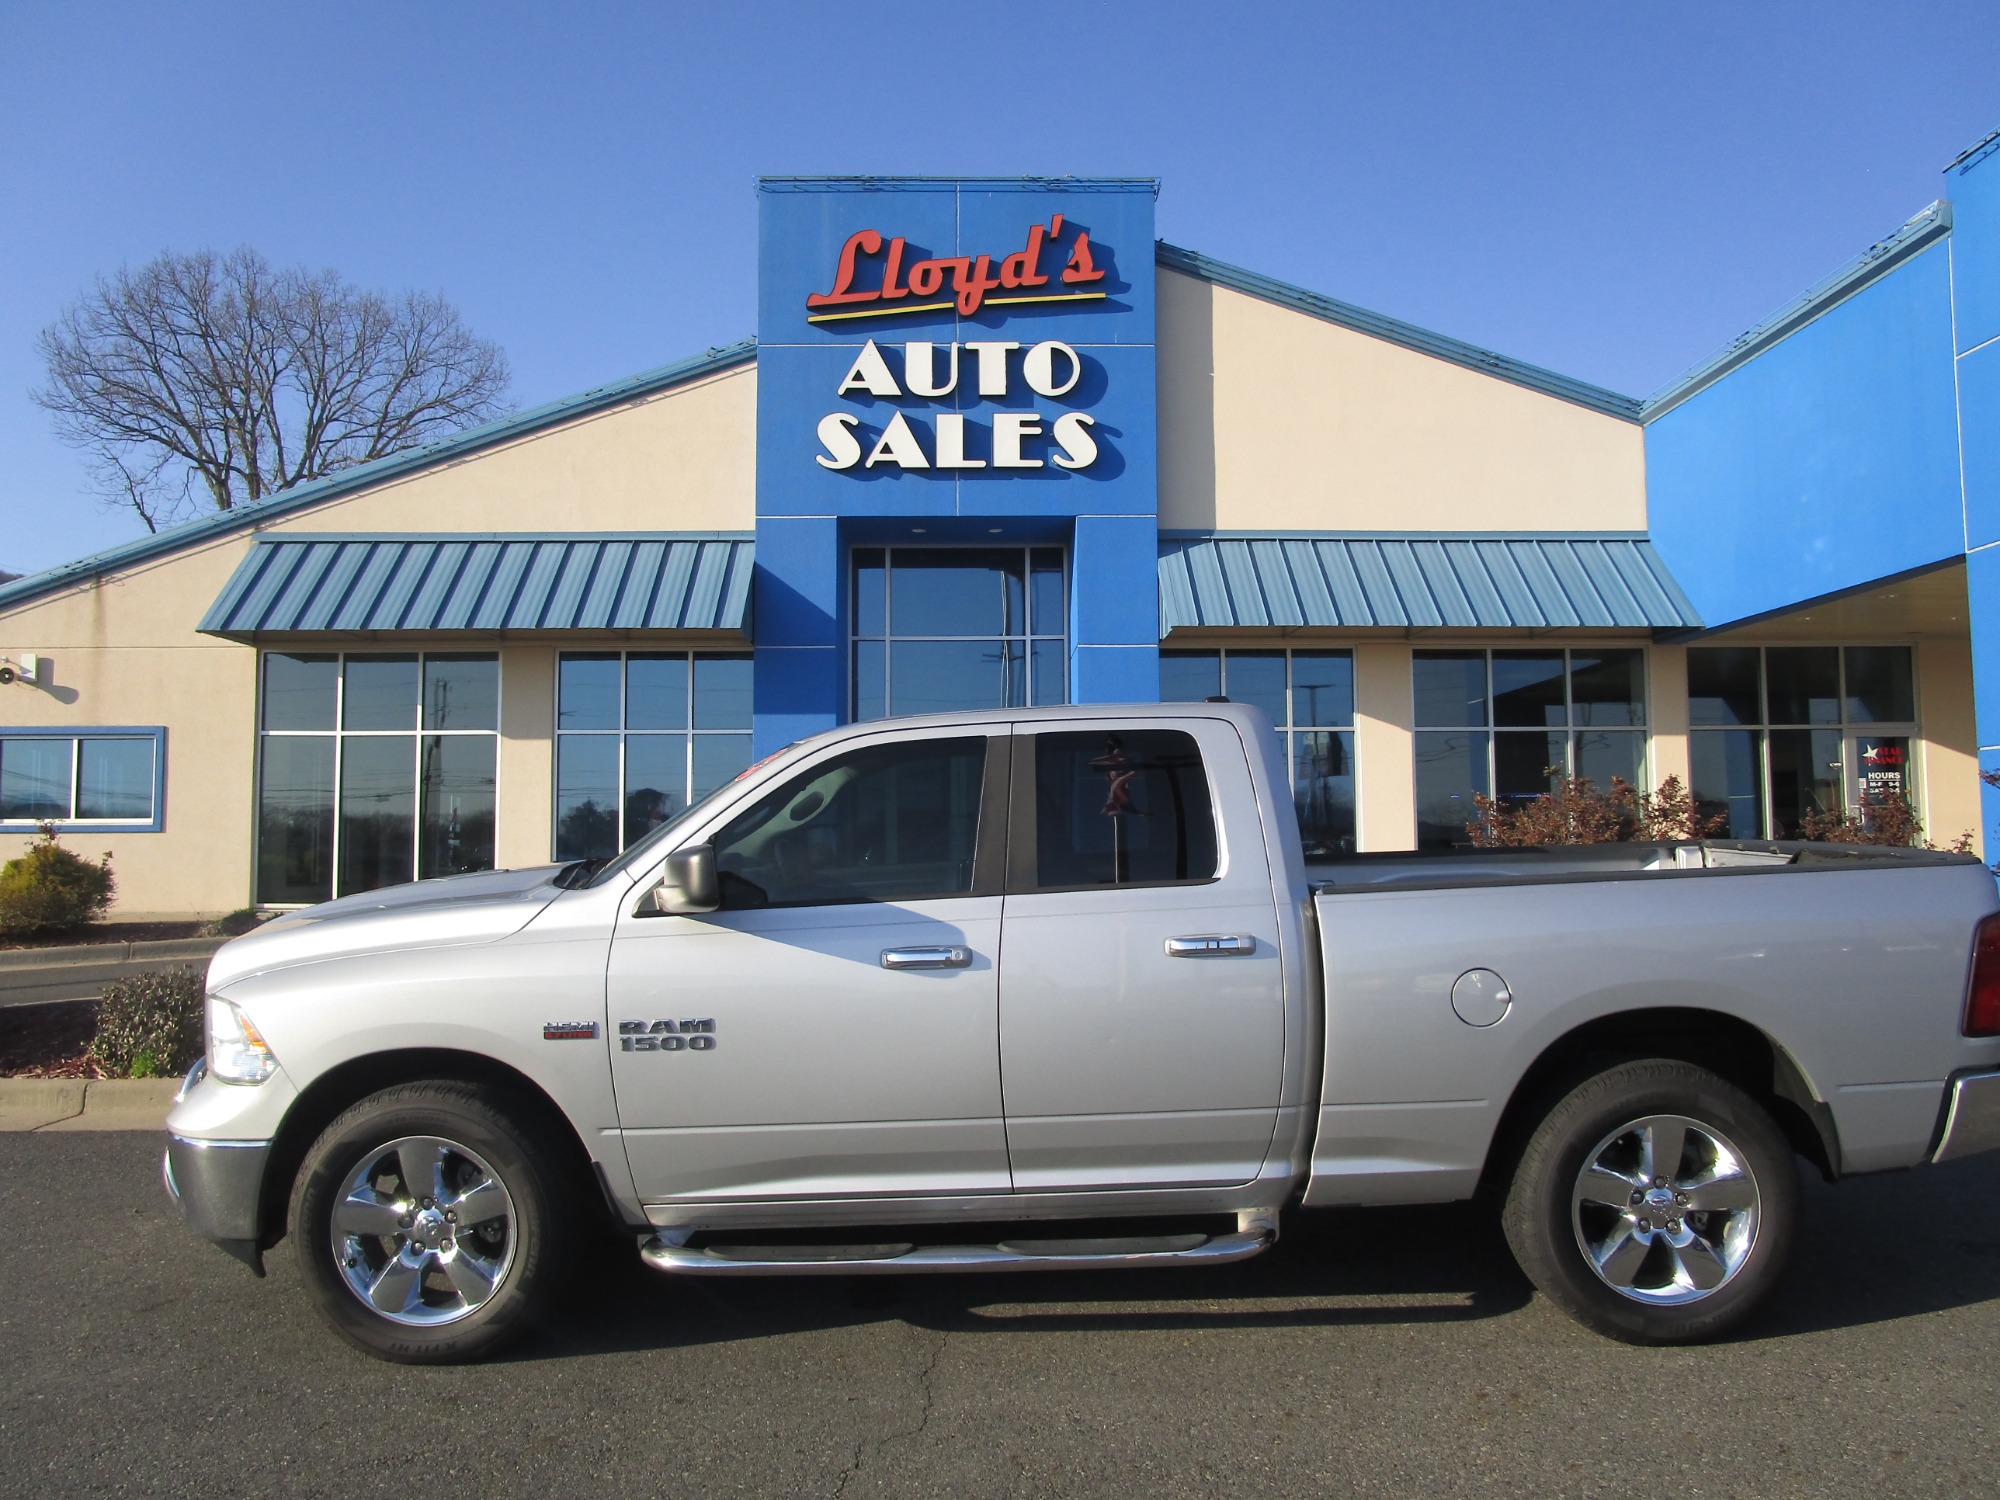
(1119, 808)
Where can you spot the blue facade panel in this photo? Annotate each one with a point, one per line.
(800, 634)
(1979, 421)
(1974, 185)
(1828, 461)
(1114, 610)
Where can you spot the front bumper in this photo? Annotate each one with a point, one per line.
(1971, 1116)
(219, 1187)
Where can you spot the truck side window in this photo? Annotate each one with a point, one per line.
(1129, 807)
(894, 822)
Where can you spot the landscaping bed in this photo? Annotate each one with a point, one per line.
(49, 1041)
(144, 1025)
(112, 932)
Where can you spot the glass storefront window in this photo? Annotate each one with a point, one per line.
(1725, 686)
(374, 768)
(1309, 696)
(640, 736)
(1508, 724)
(1451, 768)
(1726, 772)
(1777, 732)
(939, 629)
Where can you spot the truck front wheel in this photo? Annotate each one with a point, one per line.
(427, 1224)
(1655, 1203)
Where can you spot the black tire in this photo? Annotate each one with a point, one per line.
(1553, 1212)
(487, 1138)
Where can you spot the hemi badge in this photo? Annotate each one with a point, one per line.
(568, 1031)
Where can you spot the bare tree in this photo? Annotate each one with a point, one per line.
(217, 377)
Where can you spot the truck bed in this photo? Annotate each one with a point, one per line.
(1856, 981)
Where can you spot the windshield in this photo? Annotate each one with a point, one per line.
(638, 853)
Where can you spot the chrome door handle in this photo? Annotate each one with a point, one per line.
(1210, 946)
(926, 958)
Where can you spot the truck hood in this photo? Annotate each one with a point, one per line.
(457, 910)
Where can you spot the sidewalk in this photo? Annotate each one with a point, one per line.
(53, 1104)
(79, 971)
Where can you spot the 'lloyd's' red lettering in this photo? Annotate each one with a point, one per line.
(862, 241)
(1081, 267)
(970, 278)
(972, 286)
(891, 269)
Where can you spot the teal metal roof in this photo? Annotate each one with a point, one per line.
(1357, 580)
(298, 582)
(459, 445)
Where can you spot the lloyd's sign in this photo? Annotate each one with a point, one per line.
(984, 347)
(1049, 368)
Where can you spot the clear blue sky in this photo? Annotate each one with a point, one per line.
(1611, 190)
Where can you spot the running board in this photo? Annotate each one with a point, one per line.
(1255, 1234)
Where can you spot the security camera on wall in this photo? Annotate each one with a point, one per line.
(24, 668)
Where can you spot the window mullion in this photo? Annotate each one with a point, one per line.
(333, 882)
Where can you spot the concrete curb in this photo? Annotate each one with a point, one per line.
(52, 1104)
(162, 950)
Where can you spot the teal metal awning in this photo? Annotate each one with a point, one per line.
(1537, 581)
(297, 583)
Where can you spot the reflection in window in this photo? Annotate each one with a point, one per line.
(640, 736)
(70, 777)
(374, 769)
(884, 823)
(1774, 732)
(946, 629)
(1309, 696)
(1509, 724)
(1130, 808)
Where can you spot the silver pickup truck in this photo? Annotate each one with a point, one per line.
(1056, 989)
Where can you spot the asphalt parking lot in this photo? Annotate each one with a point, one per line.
(1373, 1353)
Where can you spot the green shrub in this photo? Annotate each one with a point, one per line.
(150, 1025)
(244, 919)
(52, 889)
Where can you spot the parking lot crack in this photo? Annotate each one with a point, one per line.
(863, 1446)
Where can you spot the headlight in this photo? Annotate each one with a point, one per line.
(236, 1053)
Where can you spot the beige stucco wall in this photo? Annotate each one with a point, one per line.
(1385, 798)
(1667, 713)
(1271, 420)
(124, 650)
(1948, 759)
(684, 460)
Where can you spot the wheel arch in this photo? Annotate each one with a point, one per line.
(1727, 1045)
(323, 1100)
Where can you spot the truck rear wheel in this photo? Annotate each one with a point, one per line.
(427, 1223)
(1655, 1203)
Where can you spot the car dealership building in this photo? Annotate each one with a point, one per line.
(994, 445)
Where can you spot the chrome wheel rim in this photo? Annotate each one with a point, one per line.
(423, 1231)
(1665, 1210)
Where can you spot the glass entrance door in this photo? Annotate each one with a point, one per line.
(941, 629)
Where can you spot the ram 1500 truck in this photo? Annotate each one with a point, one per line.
(1057, 989)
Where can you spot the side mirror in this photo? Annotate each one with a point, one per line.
(687, 884)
